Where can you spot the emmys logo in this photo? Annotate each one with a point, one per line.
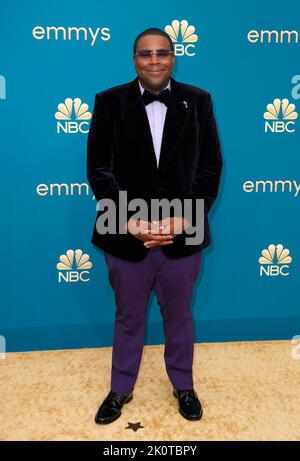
(73, 266)
(272, 186)
(275, 37)
(181, 31)
(268, 259)
(85, 34)
(76, 110)
(63, 189)
(280, 109)
(2, 87)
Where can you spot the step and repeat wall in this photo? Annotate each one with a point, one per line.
(55, 56)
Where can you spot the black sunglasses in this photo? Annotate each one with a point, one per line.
(159, 53)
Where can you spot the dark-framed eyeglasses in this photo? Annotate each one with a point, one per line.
(146, 54)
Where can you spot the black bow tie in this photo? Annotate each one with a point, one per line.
(163, 96)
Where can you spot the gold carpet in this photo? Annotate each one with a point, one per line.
(249, 391)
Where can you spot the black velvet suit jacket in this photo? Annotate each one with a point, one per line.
(121, 156)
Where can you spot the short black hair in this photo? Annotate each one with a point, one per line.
(153, 31)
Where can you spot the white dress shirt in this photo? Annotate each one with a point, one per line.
(156, 112)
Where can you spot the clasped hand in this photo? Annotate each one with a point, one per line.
(157, 233)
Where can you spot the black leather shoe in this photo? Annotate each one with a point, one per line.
(189, 404)
(110, 409)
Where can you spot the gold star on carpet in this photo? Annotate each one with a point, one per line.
(134, 426)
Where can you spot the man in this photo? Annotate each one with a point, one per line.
(154, 138)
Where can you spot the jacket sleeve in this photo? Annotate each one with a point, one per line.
(209, 167)
(100, 154)
(100, 159)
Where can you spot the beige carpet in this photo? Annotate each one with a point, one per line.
(249, 391)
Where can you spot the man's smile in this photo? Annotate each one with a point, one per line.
(154, 72)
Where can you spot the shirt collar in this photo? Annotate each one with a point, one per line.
(142, 89)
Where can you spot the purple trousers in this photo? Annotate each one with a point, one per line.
(173, 281)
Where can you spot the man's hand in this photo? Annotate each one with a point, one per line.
(149, 232)
(168, 226)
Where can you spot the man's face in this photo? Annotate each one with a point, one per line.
(153, 72)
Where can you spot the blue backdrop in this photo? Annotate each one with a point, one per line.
(54, 57)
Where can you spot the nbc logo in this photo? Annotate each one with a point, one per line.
(76, 110)
(2, 87)
(73, 266)
(181, 31)
(275, 261)
(280, 109)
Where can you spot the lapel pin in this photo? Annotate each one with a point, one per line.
(185, 104)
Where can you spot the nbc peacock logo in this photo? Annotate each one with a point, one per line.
(275, 261)
(74, 267)
(280, 116)
(73, 116)
(181, 31)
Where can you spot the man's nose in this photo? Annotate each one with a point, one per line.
(154, 57)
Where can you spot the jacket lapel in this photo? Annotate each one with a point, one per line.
(175, 123)
(135, 117)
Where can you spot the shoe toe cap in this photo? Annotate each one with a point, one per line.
(105, 413)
